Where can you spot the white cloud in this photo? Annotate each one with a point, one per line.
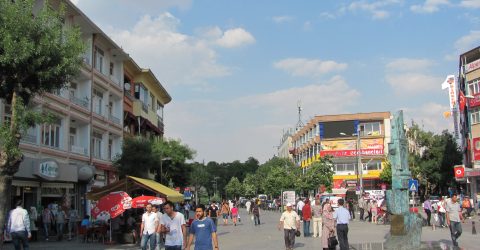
(235, 38)
(375, 8)
(464, 44)
(309, 67)
(327, 15)
(410, 76)
(282, 19)
(307, 26)
(470, 3)
(429, 6)
(430, 116)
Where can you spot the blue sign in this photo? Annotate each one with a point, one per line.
(413, 185)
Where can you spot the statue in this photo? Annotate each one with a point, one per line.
(406, 227)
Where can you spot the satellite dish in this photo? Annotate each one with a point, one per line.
(127, 86)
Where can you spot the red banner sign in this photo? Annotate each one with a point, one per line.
(475, 101)
(351, 153)
(476, 148)
(459, 171)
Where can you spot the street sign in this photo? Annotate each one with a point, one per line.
(413, 185)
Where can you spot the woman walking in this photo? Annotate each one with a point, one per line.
(225, 212)
(374, 211)
(234, 214)
(328, 228)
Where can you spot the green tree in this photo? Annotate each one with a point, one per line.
(36, 55)
(198, 178)
(386, 174)
(173, 154)
(318, 173)
(234, 188)
(250, 185)
(137, 158)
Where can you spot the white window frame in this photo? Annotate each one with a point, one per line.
(474, 86)
(99, 59)
(475, 116)
(98, 101)
(51, 134)
(97, 145)
(367, 128)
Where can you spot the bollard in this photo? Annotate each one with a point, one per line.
(474, 231)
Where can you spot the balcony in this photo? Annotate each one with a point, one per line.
(80, 102)
(115, 79)
(78, 150)
(29, 139)
(114, 119)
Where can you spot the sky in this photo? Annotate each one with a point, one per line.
(236, 70)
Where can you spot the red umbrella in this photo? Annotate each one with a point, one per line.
(112, 205)
(142, 201)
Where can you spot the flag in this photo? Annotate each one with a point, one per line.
(461, 101)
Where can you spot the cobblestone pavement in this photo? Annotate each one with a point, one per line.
(245, 235)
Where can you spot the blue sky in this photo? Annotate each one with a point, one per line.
(236, 69)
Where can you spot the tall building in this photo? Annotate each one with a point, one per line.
(339, 137)
(283, 150)
(469, 86)
(74, 154)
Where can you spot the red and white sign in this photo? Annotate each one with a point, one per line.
(475, 101)
(476, 148)
(459, 171)
(472, 66)
(351, 153)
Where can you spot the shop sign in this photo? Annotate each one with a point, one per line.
(459, 171)
(475, 101)
(347, 148)
(472, 66)
(472, 173)
(48, 169)
(476, 148)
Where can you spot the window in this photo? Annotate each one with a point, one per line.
(143, 96)
(73, 89)
(97, 145)
(160, 110)
(152, 102)
(110, 147)
(112, 66)
(474, 87)
(373, 165)
(475, 116)
(73, 135)
(98, 60)
(7, 114)
(97, 102)
(371, 128)
(51, 134)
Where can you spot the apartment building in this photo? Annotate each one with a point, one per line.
(65, 159)
(283, 150)
(348, 138)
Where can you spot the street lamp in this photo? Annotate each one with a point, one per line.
(215, 185)
(161, 167)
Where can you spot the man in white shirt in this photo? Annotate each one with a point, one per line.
(291, 223)
(157, 232)
(173, 225)
(19, 226)
(149, 228)
(342, 217)
(300, 205)
(247, 205)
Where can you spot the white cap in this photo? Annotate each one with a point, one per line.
(289, 204)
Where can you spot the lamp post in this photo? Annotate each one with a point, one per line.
(359, 170)
(161, 167)
(215, 185)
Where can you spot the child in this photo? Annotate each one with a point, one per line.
(435, 219)
(234, 214)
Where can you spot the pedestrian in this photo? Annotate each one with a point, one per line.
(33, 222)
(47, 219)
(256, 212)
(368, 208)
(467, 206)
(299, 207)
(374, 210)
(351, 208)
(72, 221)
(225, 212)
(158, 234)
(454, 216)
(60, 218)
(328, 228)
(234, 214)
(247, 205)
(148, 228)
(361, 205)
(19, 226)
(173, 225)
(203, 230)
(441, 212)
(342, 217)
(317, 218)
(131, 227)
(213, 213)
(187, 208)
(307, 217)
(290, 222)
(427, 207)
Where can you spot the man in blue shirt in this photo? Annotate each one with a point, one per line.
(342, 217)
(203, 230)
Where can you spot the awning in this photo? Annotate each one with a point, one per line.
(131, 183)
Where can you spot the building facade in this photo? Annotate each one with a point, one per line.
(339, 137)
(469, 118)
(283, 150)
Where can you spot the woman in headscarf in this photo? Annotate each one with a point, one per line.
(328, 228)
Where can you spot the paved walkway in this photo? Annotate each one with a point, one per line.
(245, 235)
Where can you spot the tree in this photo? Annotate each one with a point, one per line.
(36, 55)
(318, 173)
(250, 185)
(198, 178)
(137, 158)
(234, 187)
(172, 154)
(386, 174)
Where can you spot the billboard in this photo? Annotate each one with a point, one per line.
(348, 148)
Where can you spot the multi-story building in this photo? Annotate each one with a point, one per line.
(469, 86)
(64, 159)
(286, 144)
(339, 136)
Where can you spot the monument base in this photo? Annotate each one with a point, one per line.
(412, 233)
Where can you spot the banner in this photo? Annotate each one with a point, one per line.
(459, 171)
(476, 148)
(348, 148)
(450, 84)
(288, 197)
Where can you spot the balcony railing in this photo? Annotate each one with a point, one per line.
(145, 107)
(115, 79)
(80, 102)
(78, 150)
(114, 119)
(29, 138)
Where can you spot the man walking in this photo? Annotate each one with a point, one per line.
(149, 228)
(290, 221)
(256, 213)
(173, 225)
(213, 212)
(247, 205)
(427, 207)
(361, 205)
(454, 215)
(307, 217)
(300, 205)
(19, 226)
(317, 218)
(203, 230)
(342, 217)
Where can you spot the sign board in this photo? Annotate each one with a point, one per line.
(459, 171)
(472, 66)
(413, 185)
(48, 169)
(374, 194)
(288, 197)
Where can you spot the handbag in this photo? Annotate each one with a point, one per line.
(332, 241)
(297, 233)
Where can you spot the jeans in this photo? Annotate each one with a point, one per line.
(173, 247)
(317, 227)
(362, 211)
(429, 216)
(441, 218)
(46, 226)
(20, 239)
(71, 229)
(256, 219)
(342, 233)
(158, 238)
(214, 220)
(306, 228)
(289, 236)
(60, 230)
(455, 231)
(352, 213)
(146, 238)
